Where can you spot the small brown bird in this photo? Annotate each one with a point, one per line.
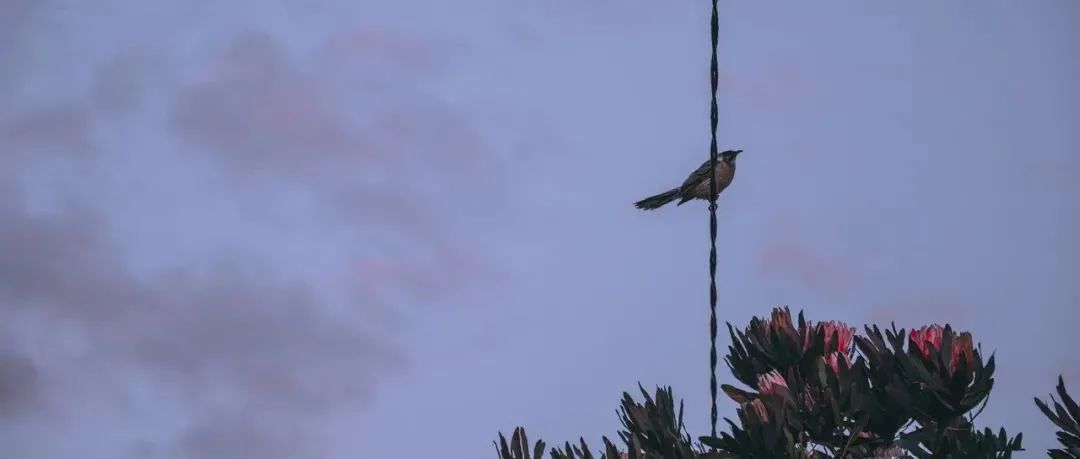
(696, 186)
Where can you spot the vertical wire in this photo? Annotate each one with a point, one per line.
(714, 71)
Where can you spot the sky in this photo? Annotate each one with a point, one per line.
(341, 229)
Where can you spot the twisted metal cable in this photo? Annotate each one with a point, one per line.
(712, 219)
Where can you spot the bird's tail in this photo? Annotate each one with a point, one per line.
(655, 202)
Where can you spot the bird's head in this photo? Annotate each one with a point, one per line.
(729, 156)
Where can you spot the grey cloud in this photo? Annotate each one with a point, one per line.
(57, 129)
(61, 264)
(16, 17)
(273, 339)
(256, 111)
(232, 436)
(259, 110)
(19, 387)
(120, 82)
(400, 164)
(272, 344)
(232, 325)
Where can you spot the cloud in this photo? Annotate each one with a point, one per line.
(411, 58)
(256, 111)
(374, 150)
(16, 17)
(230, 343)
(271, 345)
(407, 169)
(772, 89)
(121, 81)
(231, 436)
(929, 309)
(57, 129)
(19, 389)
(806, 266)
(785, 255)
(60, 264)
(241, 352)
(272, 339)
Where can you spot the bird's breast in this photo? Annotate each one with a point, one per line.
(724, 176)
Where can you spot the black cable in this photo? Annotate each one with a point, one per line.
(712, 220)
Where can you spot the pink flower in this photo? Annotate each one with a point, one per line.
(927, 339)
(833, 360)
(772, 383)
(841, 331)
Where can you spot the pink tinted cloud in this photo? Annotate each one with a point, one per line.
(400, 164)
(773, 87)
(258, 113)
(258, 110)
(929, 309)
(784, 254)
(444, 270)
(63, 128)
(810, 268)
(402, 52)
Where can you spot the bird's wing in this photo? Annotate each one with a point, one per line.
(700, 174)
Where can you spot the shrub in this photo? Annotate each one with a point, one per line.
(820, 390)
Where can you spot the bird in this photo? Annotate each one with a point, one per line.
(696, 186)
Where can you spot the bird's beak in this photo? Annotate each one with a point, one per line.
(736, 153)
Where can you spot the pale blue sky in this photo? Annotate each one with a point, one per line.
(330, 229)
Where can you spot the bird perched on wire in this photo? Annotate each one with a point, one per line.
(696, 186)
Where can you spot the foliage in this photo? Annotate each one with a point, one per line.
(822, 391)
(1066, 415)
(651, 429)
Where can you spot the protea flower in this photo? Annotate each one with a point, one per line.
(927, 340)
(834, 360)
(841, 331)
(772, 383)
